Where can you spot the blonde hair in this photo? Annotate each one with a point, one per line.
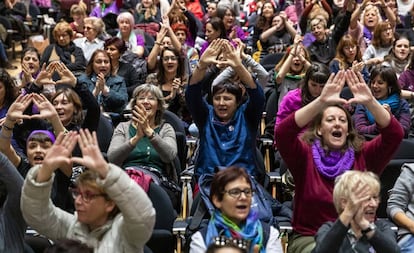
(97, 24)
(345, 183)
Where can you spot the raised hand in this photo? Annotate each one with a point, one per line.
(142, 119)
(45, 76)
(66, 76)
(58, 156)
(213, 50)
(46, 109)
(332, 89)
(17, 108)
(353, 204)
(91, 154)
(358, 87)
(231, 55)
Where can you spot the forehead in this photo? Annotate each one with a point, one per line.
(101, 55)
(402, 41)
(239, 182)
(30, 54)
(334, 111)
(33, 142)
(145, 94)
(61, 97)
(168, 52)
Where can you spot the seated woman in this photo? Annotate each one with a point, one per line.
(228, 126)
(135, 42)
(227, 14)
(116, 47)
(348, 55)
(64, 50)
(231, 193)
(387, 92)
(147, 17)
(30, 65)
(145, 140)
(381, 44)
(113, 213)
(356, 199)
(171, 78)
(400, 210)
(399, 55)
(291, 69)
(109, 90)
(78, 14)
(214, 30)
(328, 148)
(94, 30)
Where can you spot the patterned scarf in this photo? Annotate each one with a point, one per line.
(250, 230)
(333, 163)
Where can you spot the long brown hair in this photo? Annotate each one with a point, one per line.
(376, 38)
(347, 41)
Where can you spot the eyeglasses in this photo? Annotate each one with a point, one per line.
(169, 58)
(88, 28)
(236, 192)
(86, 196)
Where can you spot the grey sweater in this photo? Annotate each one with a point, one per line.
(12, 224)
(402, 196)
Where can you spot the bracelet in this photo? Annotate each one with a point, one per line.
(157, 43)
(7, 127)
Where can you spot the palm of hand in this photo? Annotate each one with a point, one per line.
(57, 156)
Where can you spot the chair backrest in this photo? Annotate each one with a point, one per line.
(180, 133)
(162, 239)
(404, 154)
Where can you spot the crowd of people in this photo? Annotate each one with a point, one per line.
(339, 93)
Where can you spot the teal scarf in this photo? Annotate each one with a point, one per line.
(393, 101)
(220, 225)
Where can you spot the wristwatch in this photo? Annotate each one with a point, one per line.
(370, 228)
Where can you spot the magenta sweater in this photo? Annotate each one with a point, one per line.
(313, 204)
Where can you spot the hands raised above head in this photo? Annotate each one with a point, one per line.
(22, 102)
(60, 154)
(333, 87)
(45, 75)
(231, 56)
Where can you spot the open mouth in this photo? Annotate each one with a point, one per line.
(241, 207)
(38, 159)
(337, 134)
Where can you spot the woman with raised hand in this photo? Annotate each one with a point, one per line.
(387, 92)
(356, 197)
(328, 148)
(228, 126)
(113, 213)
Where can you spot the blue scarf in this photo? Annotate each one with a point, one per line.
(393, 101)
(220, 225)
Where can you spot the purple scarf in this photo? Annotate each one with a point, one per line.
(333, 163)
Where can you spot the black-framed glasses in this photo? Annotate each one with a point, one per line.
(86, 196)
(236, 192)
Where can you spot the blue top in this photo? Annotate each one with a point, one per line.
(117, 98)
(232, 143)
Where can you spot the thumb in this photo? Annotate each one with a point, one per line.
(256, 248)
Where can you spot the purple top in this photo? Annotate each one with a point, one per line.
(100, 12)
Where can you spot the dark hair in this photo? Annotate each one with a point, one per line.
(230, 88)
(389, 76)
(30, 49)
(89, 67)
(9, 86)
(69, 246)
(218, 25)
(225, 176)
(391, 54)
(318, 73)
(261, 20)
(221, 10)
(118, 43)
(180, 70)
(354, 139)
(73, 97)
